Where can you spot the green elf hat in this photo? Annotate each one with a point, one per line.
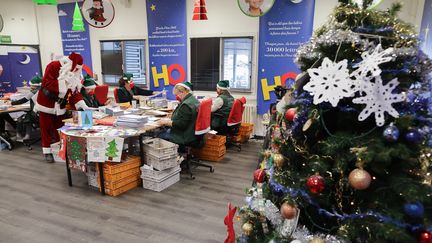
(36, 81)
(89, 82)
(186, 85)
(127, 76)
(223, 84)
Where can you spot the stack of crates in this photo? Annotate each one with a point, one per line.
(161, 169)
(245, 131)
(121, 177)
(213, 150)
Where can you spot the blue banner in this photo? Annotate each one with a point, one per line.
(166, 21)
(426, 28)
(282, 30)
(73, 41)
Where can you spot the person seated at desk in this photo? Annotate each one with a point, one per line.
(87, 92)
(221, 107)
(128, 91)
(29, 117)
(183, 118)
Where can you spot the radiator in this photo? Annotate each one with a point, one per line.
(249, 114)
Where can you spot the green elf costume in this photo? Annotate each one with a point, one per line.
(87, 92)
(184, 118)
(125, 95)
(221, 106)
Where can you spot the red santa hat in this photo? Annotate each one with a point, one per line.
(76, 60)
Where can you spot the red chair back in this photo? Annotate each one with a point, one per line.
(236, 113)
(101, 93)
(116, 95)
(203, 121)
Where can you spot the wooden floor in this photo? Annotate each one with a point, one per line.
(37, 205)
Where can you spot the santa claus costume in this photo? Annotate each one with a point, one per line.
(62, 79)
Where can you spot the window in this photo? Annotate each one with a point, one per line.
(213, 59)
(123, 56)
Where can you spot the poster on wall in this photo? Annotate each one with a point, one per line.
(281, 31)
(98, 13)
(73, 41)
(18, 65)
(166, 21)
(255, 8)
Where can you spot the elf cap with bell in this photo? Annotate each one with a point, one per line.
(89, 82)
(127, 76)
(186, 85)
(223, 84)
(36, 81)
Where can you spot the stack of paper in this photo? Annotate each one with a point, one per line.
(114, 111)
(132, 120)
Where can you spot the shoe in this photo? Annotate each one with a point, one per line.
(49, 158)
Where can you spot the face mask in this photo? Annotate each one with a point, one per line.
(178, 98)
(91, 92)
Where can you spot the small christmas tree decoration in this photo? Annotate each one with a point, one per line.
(111, 151)
(291, 114)
(259, 175)
(200, 12)
(425, 237)
(77, 22)
(414, 210)
(413, 136)
(359, 179)
(316, 184)
(391, 133)
(247, 228)
(278, 160)
(288, 211)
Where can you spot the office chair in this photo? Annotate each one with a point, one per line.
(233, 124)
(202, 126)
(116, 95)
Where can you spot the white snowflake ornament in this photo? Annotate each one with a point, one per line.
(379, 99)
(369, 66)
(330, 82)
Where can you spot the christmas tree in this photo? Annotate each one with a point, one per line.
(111, 151)
(77, 22)
(348, 158)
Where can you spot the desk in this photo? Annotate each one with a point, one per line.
(12, 109)
(124, 132)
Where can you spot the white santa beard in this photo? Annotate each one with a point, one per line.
(67, 78)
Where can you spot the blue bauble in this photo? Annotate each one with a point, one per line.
(414, 210)
(413, 136)
(391, 133)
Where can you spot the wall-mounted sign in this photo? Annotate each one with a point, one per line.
(5, 39)
(255, 8)
(98, 13)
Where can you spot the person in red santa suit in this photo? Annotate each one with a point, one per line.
(62, 79)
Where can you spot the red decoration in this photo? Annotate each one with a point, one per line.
(291, 114)
(359, 179)
(200, 11)
(315, 184)
(425, 237)
(259, 175)
(228, 221)
(288, 211)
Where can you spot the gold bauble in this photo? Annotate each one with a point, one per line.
(317, 240)
(267, 153)
(247, 228)
(278, 160)
(359, 179)
(288, 211)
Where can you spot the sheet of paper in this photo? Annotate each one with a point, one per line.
(95, 149)
(113, 148)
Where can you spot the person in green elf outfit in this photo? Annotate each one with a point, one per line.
(87, 92)
(183, 119)
(128, 91)
(221, 107)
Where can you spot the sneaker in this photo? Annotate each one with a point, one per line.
(49, 158)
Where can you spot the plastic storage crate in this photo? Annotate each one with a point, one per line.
(148, 172)
(123, 189)
(160, 148)
(114, 168)
(215, 140)
(163, 183)
(161, 163)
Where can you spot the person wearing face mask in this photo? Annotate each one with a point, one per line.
(87, 92)
(254, 7)
(61, 84)
(183, 118)
(221, 106)
(128, 91)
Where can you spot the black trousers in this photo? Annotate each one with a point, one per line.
(5, 117)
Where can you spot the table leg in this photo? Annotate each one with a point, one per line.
(68, 171)
(141, 136)
(102, 179)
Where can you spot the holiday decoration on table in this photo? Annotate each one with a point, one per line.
(200, 12)
(113, 148)
(77, 22)
(76, 153)
(355, 160)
